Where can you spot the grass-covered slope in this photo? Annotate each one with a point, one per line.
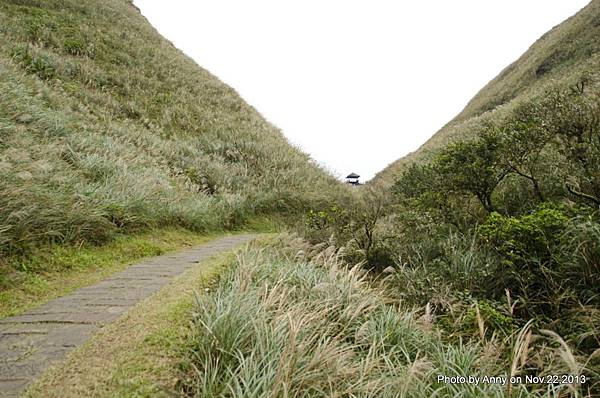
(106, 126)
(493, 227)
(561, 56)
(282, 323)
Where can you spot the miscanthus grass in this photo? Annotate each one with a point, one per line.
(107, 128)
(284, 322)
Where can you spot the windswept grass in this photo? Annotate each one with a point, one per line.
(105, 127)
(286, 321)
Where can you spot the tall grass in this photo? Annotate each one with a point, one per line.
(105, 126)
(286, 321)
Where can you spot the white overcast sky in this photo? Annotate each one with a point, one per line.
(356, 84)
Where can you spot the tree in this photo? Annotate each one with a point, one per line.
(524, 143)
(369, 211)
(574, 119)
(422, 188)
(474, 167)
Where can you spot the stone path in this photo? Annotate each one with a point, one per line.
(31, 342)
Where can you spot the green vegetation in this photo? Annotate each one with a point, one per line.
(106, 128)
(492, 229)
(478, 255)
(561, 56)
(53, 271)
(289, 320)
(137, 356)
(496, 234)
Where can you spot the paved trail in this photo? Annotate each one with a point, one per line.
(31, 342)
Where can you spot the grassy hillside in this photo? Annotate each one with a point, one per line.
(561, 56)
(483, 260)
(105, 126)
(492, 229)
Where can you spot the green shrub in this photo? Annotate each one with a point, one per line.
(528, 238)
(528, 248)
(75, 46)
(494, 317)
(34, 62)
(474, 167)
(332, 222)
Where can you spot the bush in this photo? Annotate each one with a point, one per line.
(474, 167)
(36, 63)
(527, 188)
(528, 249)
(524, 239)
(76, 46)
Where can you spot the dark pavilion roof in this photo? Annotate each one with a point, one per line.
(353, 175)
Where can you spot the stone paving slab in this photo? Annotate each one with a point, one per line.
(31, 342)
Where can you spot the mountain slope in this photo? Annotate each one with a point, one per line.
(105, 126)
(561, 56)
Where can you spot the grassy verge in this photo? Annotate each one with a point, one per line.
(286, 321)
(52, 272)
(138, 354)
